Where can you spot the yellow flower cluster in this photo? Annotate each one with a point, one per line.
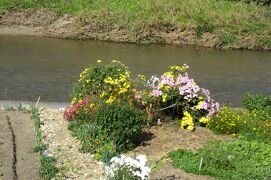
(84, 73)
(117, 87)
(204, 120)
(187, 122)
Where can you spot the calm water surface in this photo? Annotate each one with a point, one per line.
(34, 66)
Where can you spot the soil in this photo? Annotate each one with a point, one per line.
(43, 22)
(17, 139)
(157, 141)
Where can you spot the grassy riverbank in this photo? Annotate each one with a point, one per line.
(208, 23)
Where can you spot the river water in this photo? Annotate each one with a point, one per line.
(35, 66)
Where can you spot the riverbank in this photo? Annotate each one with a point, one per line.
(206, 23)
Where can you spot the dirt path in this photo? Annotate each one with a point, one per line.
(17, 139)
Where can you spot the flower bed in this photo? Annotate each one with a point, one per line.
(109, 109)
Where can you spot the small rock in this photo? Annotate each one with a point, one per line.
(47, 152)
(1, 174)
(1, 141)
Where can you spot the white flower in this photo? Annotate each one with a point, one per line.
(136, 166)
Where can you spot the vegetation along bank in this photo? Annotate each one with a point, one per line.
(207, 23)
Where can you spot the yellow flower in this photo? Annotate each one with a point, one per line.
(110, 100)
(164, 97)
(80, 101)
(91, 105)
(168, 74)
(167, 88)
(122, 90)
(99, 61)
(187, 121)
(199, 104)
(142, 77)
(204, 120)
(102, 94)
(191, 128)
(74, 100)
(161, 85)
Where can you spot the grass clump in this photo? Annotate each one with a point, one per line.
(238, 159)
(47, 169)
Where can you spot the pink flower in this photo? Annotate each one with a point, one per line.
(156, 93)
(159, 121)
(138, 96)
(167, 80)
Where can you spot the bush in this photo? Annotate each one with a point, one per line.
(256, 102)
(109, 82)
(243, 122)
(174, 93)
(239, 159)
(109, 131)
(119, 123)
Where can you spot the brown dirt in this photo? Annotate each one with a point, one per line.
(43, 22)
(17, 139)
(161, 140)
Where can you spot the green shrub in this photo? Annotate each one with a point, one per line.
(258, 102)
(238, 159)
(109, 131)
(119, 123)
(226, 122)
(243, 122)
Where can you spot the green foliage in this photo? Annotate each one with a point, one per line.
(256, 102)
(238, 159)
(47, 168)
(109, 131)
(261, 2)
(139, 18)
(121, 123)
(265, 42)
(122, 173)
(252, 125)
(227, 39)
(203, 26)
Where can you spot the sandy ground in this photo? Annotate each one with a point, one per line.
(160, 140)
(17, 139)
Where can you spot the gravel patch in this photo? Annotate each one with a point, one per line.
(65, 149)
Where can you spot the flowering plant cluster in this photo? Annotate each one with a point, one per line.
(125, 167)
(177, 94)
(109, 83)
